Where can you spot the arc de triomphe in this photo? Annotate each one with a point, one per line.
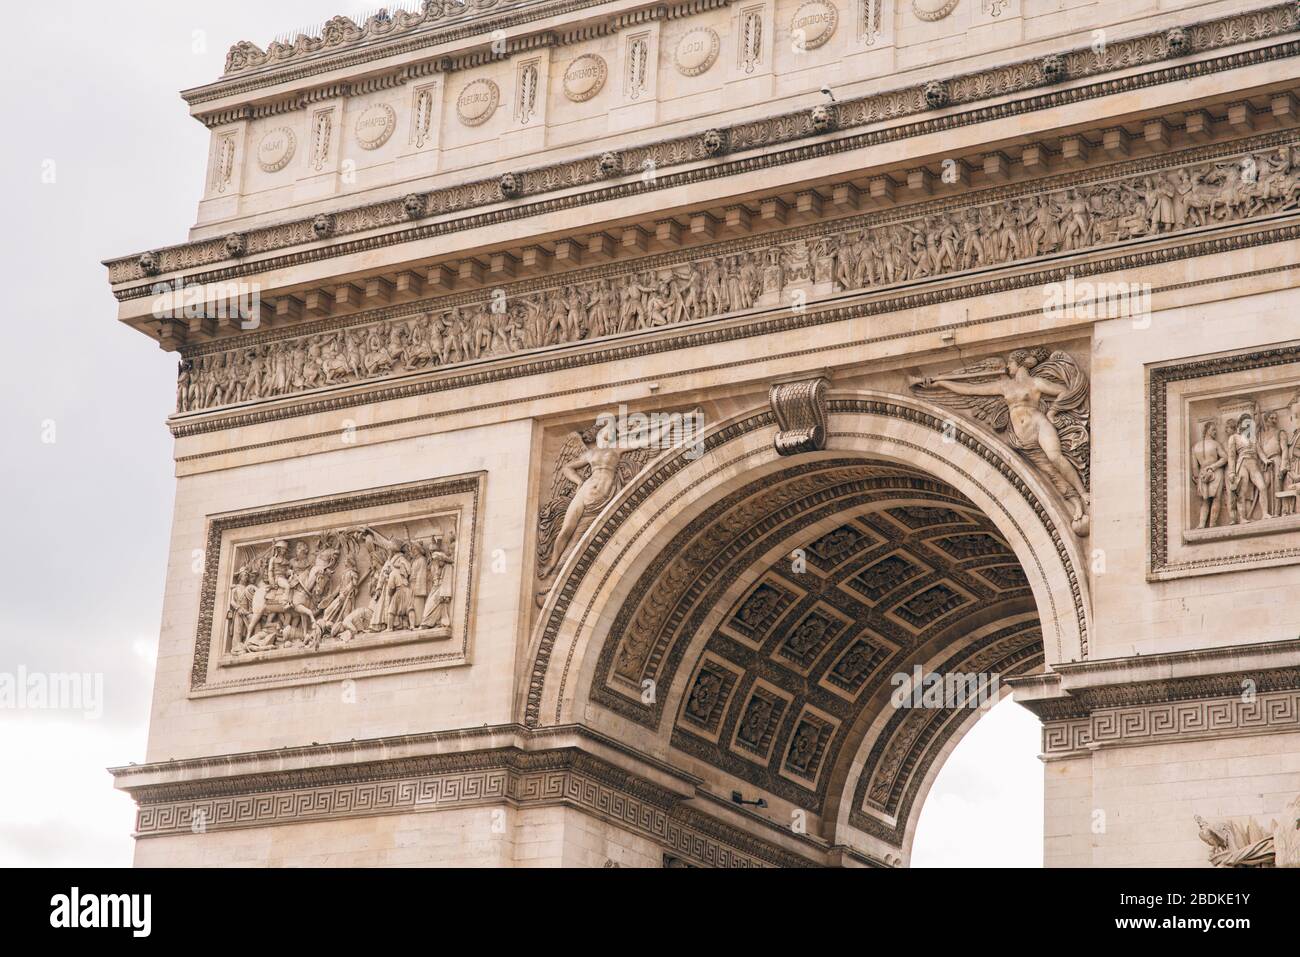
(640, 433)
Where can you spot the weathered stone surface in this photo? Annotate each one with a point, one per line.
(568, 436)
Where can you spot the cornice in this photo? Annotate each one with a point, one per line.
(1198, 694)
(688, 151)
(472, 767)
(1077, 689)
(345, 43)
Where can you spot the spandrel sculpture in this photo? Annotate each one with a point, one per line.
(1038, 402)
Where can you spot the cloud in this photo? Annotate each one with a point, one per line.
(986, 806)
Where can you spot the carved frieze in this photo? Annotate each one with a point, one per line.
(373, 581)
(1245, 462)
(308, 593)
(1225, 462)
(867, 252)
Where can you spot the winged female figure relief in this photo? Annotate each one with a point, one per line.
(1037, 401)
(591, 468)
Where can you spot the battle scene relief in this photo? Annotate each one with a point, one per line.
(326, 590)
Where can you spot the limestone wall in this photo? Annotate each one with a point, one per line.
(1131, 807)
(466, 693)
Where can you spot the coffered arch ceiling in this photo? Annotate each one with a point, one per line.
(785, 687)
(752, 636)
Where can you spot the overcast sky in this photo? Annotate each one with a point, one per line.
(101, 159)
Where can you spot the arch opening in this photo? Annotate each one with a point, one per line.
(760, 622)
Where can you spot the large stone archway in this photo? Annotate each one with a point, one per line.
(740, 613)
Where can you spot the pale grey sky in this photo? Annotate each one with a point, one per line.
(91, 100)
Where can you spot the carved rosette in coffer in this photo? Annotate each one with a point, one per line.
(371, 582)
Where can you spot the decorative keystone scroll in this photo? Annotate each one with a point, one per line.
(800, 409)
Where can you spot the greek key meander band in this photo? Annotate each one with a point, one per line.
(1153, 723)
(681, 830)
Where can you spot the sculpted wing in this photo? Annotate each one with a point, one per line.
(631, 462)
(551, 513)
(1070, 411)
(992, 410)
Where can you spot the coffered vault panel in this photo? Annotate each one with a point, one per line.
(878, 568)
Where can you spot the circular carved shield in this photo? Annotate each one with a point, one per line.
(477, 102)
(933, 9)
(375, 125)
(817, 19)
(276, 149)
(696, 51)
(584, 77)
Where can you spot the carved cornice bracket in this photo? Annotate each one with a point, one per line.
(800, 409)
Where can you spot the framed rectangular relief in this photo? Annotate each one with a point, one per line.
(1225, 463)
(373, 582)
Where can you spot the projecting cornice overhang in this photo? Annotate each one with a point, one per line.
(1263, 36)
(1077, 689)
(488, 766)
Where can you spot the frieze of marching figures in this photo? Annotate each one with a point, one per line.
(951, 240)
